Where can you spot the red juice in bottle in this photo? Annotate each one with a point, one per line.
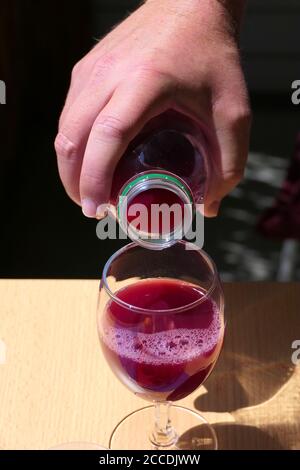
(165, 170)
(163, 355)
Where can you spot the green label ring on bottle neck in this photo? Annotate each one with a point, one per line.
(153, 176)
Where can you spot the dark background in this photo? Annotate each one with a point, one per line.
(44, 234)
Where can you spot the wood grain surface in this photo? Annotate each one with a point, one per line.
(56, 387)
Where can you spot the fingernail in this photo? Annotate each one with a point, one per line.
(89, 208)
(101, 211)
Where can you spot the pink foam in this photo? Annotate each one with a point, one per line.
(166, 347)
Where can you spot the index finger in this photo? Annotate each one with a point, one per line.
(129, 109)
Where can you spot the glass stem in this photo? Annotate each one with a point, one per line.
(163, 434)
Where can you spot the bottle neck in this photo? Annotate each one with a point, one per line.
(155, 209)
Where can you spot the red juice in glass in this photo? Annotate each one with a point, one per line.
(162, 356)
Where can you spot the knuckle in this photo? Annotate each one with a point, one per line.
(146, 69)
(92, 182)
(233, 176)
(238, 115)
(91, 178)
(64, 147)
(76, 70)
(150, 71)
(158, 82)
(102, 65)
(108, 127)
(107, 60)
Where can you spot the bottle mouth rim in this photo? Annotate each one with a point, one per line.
(145, 182)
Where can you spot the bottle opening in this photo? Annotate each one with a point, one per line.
(156, 198)
(155, 209)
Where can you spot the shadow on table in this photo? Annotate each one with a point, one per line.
(261, 332)
(233, 437)
(241, 381)
(242, 437)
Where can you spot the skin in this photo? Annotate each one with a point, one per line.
(179, 54)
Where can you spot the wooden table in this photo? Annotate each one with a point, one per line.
(56, 387)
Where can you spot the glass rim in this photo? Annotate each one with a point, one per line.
(170, 311)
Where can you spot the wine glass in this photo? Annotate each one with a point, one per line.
(160, 321)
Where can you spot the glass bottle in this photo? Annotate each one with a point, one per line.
(166, 165)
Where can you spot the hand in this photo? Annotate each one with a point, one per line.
(179, 54)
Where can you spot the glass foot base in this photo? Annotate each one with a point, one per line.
(191, 431)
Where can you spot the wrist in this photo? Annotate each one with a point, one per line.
(229, 12)
(235, 9)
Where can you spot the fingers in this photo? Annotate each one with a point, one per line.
(75, 126)
(232, 122)
(87, 75)
(129, 109)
